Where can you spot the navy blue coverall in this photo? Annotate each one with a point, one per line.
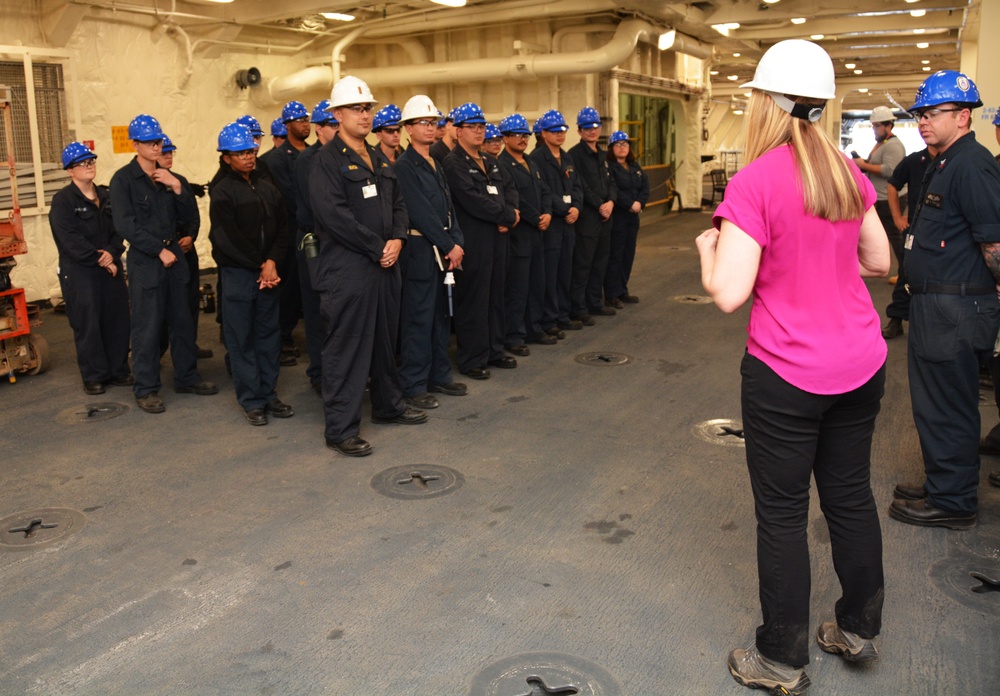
(593, 235)
(954, 316)
(482, 203)
(96, 301)
(304, 224)
(633, 185)
(526, 272)
(281, 163)
(567, 192)
(425, 325)
(146, 215)
(356, 211)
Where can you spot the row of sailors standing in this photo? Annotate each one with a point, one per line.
(362, 237)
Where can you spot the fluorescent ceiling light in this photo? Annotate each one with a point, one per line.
(798, 20)
(919, 31)
(926, 68)
(732, 77)
(667, 39)
(923, 44)
(338, 16)
(858, 71)
(736, 55)
(724, 29)
(713, 72)
(817, 37)
(450, 3)
(918, 13)
(925, 62)
(850, 66)
(863, 90)
(737, 112)
(771, 2)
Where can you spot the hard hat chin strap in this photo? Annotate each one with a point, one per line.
(803, 111)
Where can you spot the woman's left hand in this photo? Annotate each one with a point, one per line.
(707, 241)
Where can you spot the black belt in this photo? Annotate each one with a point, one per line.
(945, 289)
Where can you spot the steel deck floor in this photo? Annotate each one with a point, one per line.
(218, 558)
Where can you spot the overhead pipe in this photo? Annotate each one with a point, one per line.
(627, 35)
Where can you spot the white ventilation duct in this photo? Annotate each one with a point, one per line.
(627, 35)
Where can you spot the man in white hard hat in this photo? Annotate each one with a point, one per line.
(361, 224)
(883, 160)
(435, 247)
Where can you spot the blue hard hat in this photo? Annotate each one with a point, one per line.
(588, 118)
(947, 86)
(492, 132)
(467, 113)
(235, 137)
(74, 153)
(293, 110)
(996, 119)
(168, 145)
(536, 127)
(388, 115)
(252, 124)
(144, 128)
(618, 137)
(552, 121)
(278, 129)
(321, 114)
(515, 123)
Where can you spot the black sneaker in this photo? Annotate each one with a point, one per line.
(279, 409)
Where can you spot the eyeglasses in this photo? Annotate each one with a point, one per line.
(391, 131)
(423, 123)
(516, 136)
(245, 154)
(151, 143)
(930, 114)
(476, 127)
(493, 140)
(300, 119)
(86, 164)
(359, 108)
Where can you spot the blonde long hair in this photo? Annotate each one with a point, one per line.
(829, 190)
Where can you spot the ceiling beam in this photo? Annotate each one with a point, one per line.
(850, 25)
(747, 13)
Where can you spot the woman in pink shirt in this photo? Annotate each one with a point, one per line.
(798, 232)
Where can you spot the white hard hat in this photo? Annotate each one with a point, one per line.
(419, 106)
(882, 114)
(350, 90)
(797, 67)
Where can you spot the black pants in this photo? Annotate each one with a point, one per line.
(360, 308)
(621, 255)
(159, 295)
(559, 241)
(252, 336)
(480, 324)
(97, 308)
(899, 307)
(590, 261)
(949, 336)
(425, 327)
(312, 319)
(792, 435)
(525, 292)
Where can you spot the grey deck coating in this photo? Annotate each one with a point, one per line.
(218, 558)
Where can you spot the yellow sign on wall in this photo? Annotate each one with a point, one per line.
(119, 136)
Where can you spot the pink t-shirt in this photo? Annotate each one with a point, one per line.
(812, 319)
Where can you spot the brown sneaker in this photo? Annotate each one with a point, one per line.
(753, 670)
(852, 647)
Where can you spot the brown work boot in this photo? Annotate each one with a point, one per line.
(852, 647)
(752, 669)
(893, 329)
